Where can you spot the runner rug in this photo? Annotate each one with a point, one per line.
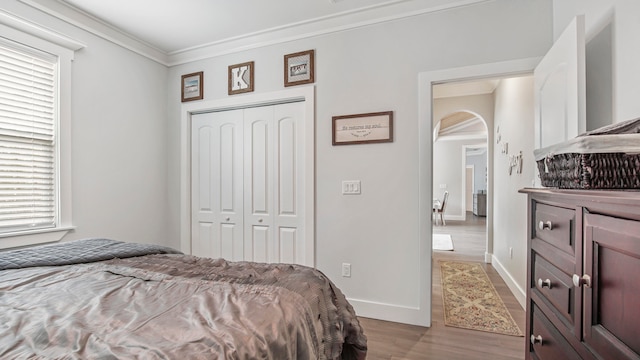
(472, 302)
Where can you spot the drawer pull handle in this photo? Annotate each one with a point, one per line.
(536, 339)
(259, 220)
(543, 283)
(545, 225)
(227, 219)
(578, 280)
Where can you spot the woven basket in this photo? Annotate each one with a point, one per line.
(590, 171)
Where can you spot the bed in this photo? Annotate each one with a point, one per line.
(106, 299)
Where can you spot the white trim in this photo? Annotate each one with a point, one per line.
(425, 162)
(387, 312)
(512, 284)
(34, 237)
(305, 93)
(463, 125)
(33, 29)
(463, 136)
(84, 21)
(348, 20)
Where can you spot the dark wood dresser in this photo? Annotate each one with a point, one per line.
(583, 277)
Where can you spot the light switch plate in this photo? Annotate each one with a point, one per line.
(351, 187)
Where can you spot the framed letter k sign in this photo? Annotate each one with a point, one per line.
(241, 78)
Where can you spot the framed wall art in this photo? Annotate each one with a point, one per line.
(363, 128)
(299, 68)
(241, 78)
(192, 86)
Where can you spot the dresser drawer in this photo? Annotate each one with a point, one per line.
(545, 340)
(556, 226)
(556, 287)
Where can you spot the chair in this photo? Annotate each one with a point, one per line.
(439, 208)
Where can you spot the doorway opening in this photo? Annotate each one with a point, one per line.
(462, 117)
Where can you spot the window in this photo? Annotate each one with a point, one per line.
(28, 140)
(35, 132)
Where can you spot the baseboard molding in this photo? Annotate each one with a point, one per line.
(516, 290)
(391, 312)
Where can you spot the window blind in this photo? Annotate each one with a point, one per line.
(28, 89)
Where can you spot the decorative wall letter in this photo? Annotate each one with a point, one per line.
(241, 78)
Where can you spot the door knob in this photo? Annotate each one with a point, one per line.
(227, 219)
(259, 220)
(578, 280)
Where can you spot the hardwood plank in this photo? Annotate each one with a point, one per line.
(393, 341)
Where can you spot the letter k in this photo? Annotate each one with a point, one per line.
(238, 82)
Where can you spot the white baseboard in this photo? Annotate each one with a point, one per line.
(516, 290)
(390, 312)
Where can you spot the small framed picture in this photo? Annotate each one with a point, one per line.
(192, 85)
(363, 128)
(299, 68)
(241, 78)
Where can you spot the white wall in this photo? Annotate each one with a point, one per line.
(514, 115)
(119, 131)
(364, 70)
(619, 22)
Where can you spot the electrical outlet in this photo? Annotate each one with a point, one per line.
(346, 270)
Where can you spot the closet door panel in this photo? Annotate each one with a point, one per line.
(258, 184)
(216, 187)
(289, 163)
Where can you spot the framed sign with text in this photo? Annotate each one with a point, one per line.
(363, 128)
(299, 68)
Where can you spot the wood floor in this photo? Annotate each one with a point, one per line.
(387, 340)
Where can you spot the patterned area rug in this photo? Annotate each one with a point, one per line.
(471, 301)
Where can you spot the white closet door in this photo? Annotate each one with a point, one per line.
(248, 188)
(216, 183)
(290, 243)
(258, 184)
(274, 191)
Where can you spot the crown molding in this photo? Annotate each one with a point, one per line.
(18, 23)
(350, 20)
(389, 11)
(94, 26)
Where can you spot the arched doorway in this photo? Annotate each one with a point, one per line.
(460, 168)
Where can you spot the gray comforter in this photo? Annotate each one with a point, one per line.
(168, 306)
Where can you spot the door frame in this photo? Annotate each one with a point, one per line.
(425, 162)
(302, 93)
(471, 178)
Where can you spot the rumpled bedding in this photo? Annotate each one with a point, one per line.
(172, 306)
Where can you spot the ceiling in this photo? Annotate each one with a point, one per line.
(174, 32)
(175, 25)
